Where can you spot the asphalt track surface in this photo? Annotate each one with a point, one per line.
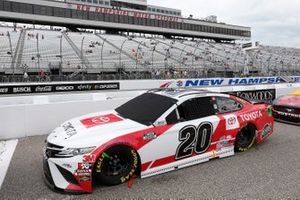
(270, 170)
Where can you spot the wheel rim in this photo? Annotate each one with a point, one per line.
(244, 139)
(115, 165)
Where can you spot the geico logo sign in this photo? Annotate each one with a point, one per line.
(64, 88)
(100, 120)
(21, 89)
(251, 116)
(3, 90)
(43, 89)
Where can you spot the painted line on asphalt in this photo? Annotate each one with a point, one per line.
(6, 152)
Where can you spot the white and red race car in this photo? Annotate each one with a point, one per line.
(157, 132)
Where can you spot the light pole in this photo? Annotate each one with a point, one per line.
(81, 50)
(11, 52)
(38, 50)
(137, 54)
(121, 49)
(181, 61)
(102, 66)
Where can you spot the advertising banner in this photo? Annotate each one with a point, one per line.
(51, 88)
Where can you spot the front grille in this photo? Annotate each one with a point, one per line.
(52, 150)
(288, 119)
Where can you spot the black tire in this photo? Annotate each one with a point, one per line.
(245, 138)
(116, 165)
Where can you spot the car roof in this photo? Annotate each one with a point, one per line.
(180, 93)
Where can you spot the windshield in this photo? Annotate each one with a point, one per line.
(146, 108)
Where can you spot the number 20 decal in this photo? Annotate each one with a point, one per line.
(194, 139)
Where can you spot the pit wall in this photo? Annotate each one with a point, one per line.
(22, 116)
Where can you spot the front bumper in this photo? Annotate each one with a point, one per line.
(64, 180)
(285, 117)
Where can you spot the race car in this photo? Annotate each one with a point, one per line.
(287, 109)
(159, 131)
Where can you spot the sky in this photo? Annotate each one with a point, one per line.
(273, 22)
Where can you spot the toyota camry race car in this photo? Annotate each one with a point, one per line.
(287, 109)
(157, 132)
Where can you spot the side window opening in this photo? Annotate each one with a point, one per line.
(195, 108)
(172, 118)
(225, 105)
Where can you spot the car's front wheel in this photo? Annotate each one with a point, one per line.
(245, 138)
(116, 165)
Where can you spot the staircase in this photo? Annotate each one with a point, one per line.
(118, 48)
(18, 54)
(81, 56)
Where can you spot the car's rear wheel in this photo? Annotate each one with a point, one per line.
(245, 138)
(116, 165)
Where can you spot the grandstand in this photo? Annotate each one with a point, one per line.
(90, 49)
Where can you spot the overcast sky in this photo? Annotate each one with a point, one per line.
(273, 22)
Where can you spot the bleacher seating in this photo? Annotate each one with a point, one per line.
(45, 49)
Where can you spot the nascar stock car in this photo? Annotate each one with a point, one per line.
(157, 132)
(287, 109)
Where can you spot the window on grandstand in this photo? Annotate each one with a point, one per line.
(101, 2)
(95, 1)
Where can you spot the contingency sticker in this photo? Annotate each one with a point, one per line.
(231, 122)
(100, 120)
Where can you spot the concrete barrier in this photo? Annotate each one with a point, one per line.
(22, 116)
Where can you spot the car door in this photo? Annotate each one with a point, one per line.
(227, 110)
(196, 123)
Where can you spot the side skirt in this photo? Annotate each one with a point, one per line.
(224, 152)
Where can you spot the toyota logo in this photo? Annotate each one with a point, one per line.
(231, 121)
(100, 120)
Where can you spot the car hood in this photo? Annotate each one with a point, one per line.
(92, 130)
(289, 101)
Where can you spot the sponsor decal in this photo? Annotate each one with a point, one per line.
(67, 165)
(257, 95)
(85, 179)
(231, 122)
(224, 142)
(150, 136)
(89, 158)
(251, 116)
(84, 169)
(69, 129)
(266, 131)
(100, 120)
